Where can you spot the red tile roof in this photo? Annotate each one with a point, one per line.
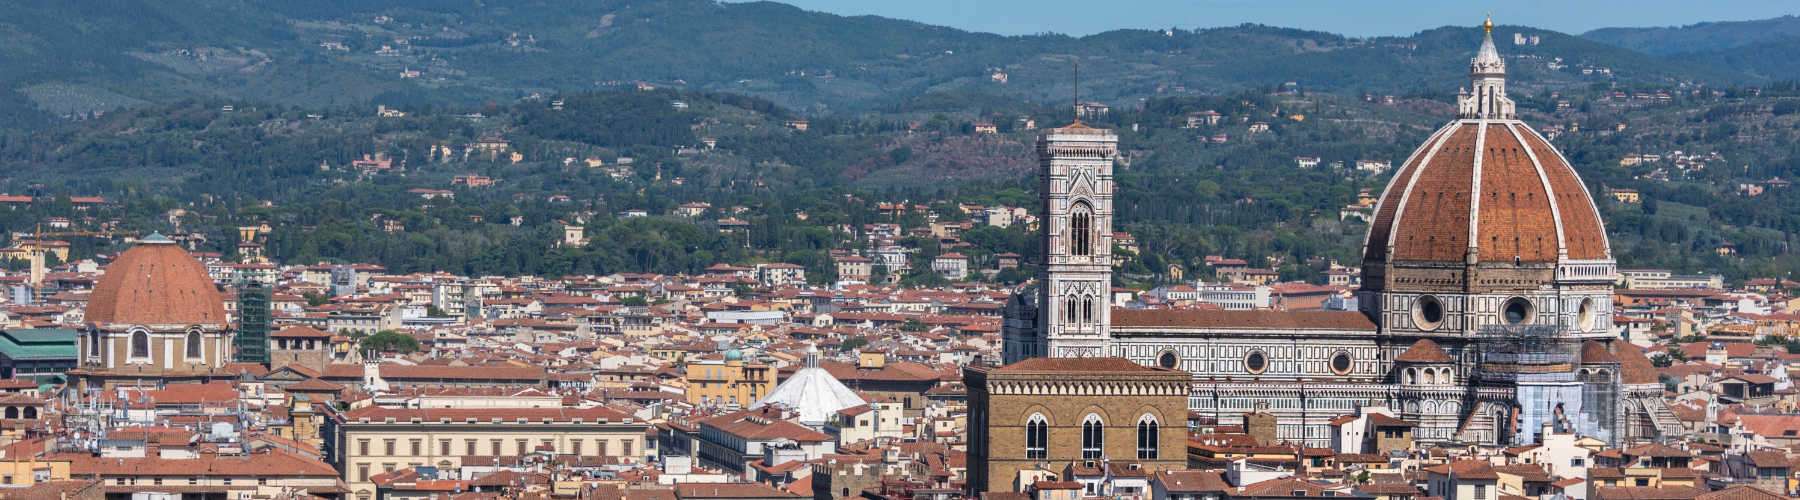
(273, 463)
(299, 332)
(533, 415)
(729, 490)
(1256, 319)
(1083, 365)
(156, 284)
(1424, 351)
(763, 425)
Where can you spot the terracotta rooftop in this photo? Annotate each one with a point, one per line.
(1193, 481)
(1255, 319)
(1595, 352)
(1634, 367)
(299, 332)
(156, 283)
(1466, 469)
(1424, 351)
(533, 415)
(1082, 365)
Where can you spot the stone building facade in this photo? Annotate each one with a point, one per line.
(300, 345)
(373, 440)
(1486, 310)
(1043, 414)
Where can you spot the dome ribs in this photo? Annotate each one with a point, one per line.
(1375, 248)
(1435, 213)
(1516, 220)
(1583, 233)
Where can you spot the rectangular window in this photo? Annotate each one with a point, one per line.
(470, 445)
(601, 447)
(494, 448)
(625, 448)
(418, 447)
(524, 446)
(362, 473)
(575, 447)
(444, 447)
(362, 447)
(1480, 491)
(388, 444)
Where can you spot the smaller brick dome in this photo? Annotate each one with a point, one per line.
(156, 283)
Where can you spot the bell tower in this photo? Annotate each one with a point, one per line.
(1076, 184)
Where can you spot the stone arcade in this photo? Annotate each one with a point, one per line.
(1486, 301)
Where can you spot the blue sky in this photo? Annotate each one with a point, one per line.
(1349, 17)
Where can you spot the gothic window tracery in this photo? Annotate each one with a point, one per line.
(1092, 437)
(1147, 437)
(1081, 229)
(1037, 437)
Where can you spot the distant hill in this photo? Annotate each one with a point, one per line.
(64, 58)
(1763, 50)
(1699, 38)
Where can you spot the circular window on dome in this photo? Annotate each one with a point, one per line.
(1428, 313)
(1167, 359)
(1256, 362)
(1341, 363)
(1516, 311)
(1584, 316)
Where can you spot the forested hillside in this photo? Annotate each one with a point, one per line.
(199, 116)
(70, 58)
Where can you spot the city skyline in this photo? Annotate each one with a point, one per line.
(684, 250)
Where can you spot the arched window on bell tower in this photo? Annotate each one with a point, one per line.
(1081, 229)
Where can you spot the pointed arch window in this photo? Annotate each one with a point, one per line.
(1081, 229)
(1037, 437)
(140, 344)
(1147, 437)
(194, 344)
(1093, 437)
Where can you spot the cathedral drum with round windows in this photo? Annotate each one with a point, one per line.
(1256, 362)
(1342, 363)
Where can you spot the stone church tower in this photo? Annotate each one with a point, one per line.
(1075, 179)
(1067, 313)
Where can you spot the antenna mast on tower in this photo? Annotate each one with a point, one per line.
(1077, 108)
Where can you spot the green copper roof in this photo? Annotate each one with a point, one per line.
(38, 343)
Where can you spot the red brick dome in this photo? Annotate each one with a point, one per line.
(155, 283)
(1491, 189)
